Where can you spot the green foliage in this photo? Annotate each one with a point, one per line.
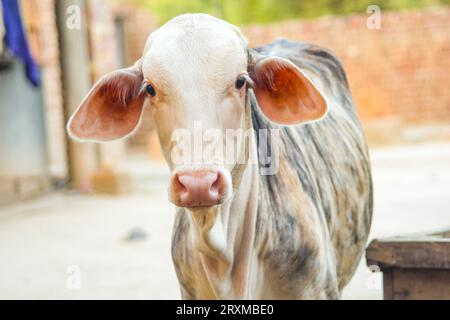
(264, 11)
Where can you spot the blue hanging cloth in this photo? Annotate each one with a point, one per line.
(16, 40)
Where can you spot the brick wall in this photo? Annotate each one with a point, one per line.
(401, 70)
(139, 23)
(138, 26)
(103, 46)
(40, 24)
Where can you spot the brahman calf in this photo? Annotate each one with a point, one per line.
(288, 216)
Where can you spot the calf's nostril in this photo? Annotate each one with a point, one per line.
(217, 185)
(179, 185)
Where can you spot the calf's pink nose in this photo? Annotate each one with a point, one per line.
(197, 188)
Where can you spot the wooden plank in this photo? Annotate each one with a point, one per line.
(424, 251)
(388, 284)
(414, 266)
(438, 236)
(418, 284)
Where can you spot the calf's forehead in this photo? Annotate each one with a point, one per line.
(209, 51)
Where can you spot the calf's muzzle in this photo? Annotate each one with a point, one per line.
(198, 188)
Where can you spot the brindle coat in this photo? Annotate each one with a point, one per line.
(314, 214)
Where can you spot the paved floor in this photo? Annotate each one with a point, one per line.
(67, 245)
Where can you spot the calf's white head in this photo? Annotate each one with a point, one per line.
(194, 74)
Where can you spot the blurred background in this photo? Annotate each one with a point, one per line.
(93, 221)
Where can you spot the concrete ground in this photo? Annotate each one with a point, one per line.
(71, 246)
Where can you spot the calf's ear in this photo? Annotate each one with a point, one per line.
(285, 94)
(112, 109)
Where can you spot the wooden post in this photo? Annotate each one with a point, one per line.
(414, 267)
(72, 27)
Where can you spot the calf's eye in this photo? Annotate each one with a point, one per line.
(150, 90)
(240, 82)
